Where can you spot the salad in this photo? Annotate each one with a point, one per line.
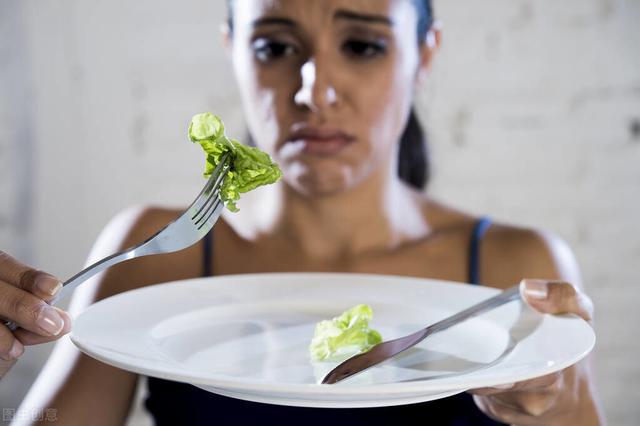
(249, 167)
(344, 336)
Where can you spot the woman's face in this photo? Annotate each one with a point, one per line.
(326, 85)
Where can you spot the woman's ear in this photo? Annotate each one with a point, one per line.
(428, 50)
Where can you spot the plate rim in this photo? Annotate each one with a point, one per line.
(315, 389)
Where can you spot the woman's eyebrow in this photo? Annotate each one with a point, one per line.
(362, 17)
(273, 20)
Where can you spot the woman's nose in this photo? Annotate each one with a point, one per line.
(316, 92)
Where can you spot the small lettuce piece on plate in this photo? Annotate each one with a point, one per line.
(249, 168)
(344, 336)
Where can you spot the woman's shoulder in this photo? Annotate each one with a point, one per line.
(136, 221)
(131, 226)
(509, 252)
(443, 218)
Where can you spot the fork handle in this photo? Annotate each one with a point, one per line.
(152, 245)
(87, 273)
(94, 269)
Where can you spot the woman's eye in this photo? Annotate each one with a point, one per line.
(268, 50)
(363, 49)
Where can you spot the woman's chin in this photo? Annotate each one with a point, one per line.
(310, 187)
(320, 182)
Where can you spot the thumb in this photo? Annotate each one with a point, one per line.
(556, 297)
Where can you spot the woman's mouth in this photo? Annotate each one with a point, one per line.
(320, 141)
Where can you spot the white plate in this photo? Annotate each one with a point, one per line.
(246, 336)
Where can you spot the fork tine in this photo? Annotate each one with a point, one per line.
(206, 206)
(210, 188)
(217, 207)
(205, 196)
(211, 202)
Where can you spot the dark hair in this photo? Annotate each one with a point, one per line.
(414, 167)
(413, 157)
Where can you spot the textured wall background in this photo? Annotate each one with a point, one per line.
(533, 111)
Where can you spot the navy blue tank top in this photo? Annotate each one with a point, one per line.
(174, 403)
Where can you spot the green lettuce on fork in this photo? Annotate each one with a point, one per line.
(249, 167)
(344, 336)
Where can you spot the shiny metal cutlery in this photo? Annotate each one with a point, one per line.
(196, 221)
(385, 350)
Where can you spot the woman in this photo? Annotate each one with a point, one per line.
(327, 88)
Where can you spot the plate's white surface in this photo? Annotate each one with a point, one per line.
(246, 336)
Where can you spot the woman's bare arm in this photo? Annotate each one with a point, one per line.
(566, 397)
(81, 389)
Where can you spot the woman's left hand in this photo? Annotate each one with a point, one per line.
(564, 397)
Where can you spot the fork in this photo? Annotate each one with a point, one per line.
(192, 225)
(385, 350)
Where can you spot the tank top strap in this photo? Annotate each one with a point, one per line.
(207, 249)
(479, 230)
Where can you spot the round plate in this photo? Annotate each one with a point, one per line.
(247, 336)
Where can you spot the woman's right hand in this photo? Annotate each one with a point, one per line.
(24, 293)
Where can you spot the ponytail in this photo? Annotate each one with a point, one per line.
(413, 157)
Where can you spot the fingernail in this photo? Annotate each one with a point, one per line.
(50, 320)
(16, 349)
(47, 284)
(535, 289)
(504, 386)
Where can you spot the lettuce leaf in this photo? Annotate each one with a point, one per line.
(249, 168)
(344, 336)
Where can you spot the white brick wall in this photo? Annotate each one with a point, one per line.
(532, 115)
(533, 111)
